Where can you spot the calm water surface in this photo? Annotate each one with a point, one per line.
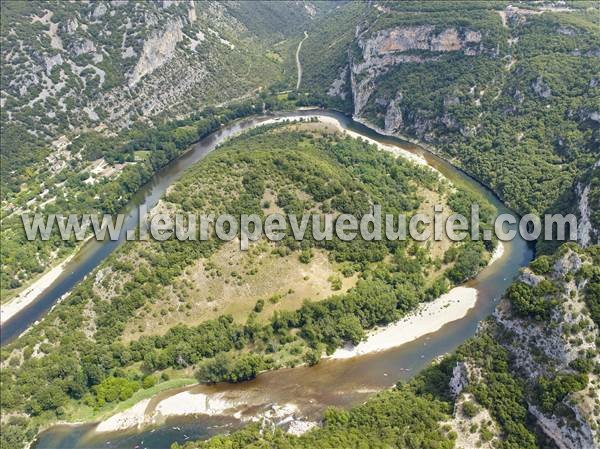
(332, 382)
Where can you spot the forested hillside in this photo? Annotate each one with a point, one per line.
(74, 75)
(528, 380)
(69, 66)
(96, 173)
(177, 308)
(509, 93)
(97, 97)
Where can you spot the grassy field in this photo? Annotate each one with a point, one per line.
(232, 281)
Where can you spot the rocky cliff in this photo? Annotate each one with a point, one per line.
(70, 66)
(381, 51)
(556, 358)
(587, 192)
(157, 50)
(482, 86)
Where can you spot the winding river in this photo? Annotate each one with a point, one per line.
(310, 389)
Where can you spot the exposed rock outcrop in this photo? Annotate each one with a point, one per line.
(460, 379)
(157, 50)
(548, 348)
(393, 116)
(587, 233)
(564, 434)
(541, 88)
(470, 419)
(422, 37)
(338, 86)
(530, 278)
(384, 49)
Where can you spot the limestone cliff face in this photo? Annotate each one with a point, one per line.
(338, 86)
(384, 49)
(158, 49)
(541, 88)
(588, 233)
(423, 37)
(394, 121)
(84, 65)
(548, 348)
(577, 434)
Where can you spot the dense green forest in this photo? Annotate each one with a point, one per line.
(518, 112)
(520, 115)
(141, 153)
(68, 67)
(418, 413)
(22, 258)
(84, 361)
(75, 72)
(509, 93)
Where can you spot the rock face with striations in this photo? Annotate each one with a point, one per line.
(157, 50)
(541, 351)
(384, 49)
(423, 37)
(393, 116)
(550, 347)
(588, 229)
(83, 65)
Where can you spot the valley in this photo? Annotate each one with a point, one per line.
(300, 107)
(284, 386)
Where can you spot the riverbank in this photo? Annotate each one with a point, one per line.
(332, 121)
(429, 317)
(497, 254)
(456, 163)
(30, 294)
(132, 417)
(153, 411)
(329, 381)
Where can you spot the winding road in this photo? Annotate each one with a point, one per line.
(298, 65)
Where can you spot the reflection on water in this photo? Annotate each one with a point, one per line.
(332, 382)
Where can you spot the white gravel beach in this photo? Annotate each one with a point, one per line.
(333, 121)
(180, 404)
(30, 294)
(132, 417)
(187, 403)
(428, 318)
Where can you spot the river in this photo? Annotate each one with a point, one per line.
(332, 382)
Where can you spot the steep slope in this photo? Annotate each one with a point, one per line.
(547, 327)
(587, 191)
(511, 94)
(86, 65)
(76, 77)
